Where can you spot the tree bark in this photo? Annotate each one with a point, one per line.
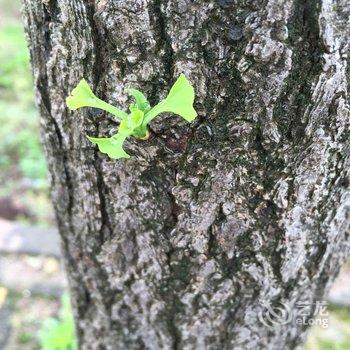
(180, 246)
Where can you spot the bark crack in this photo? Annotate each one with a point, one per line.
(98, 47)
(306, 66)
(165, 39)
(164, 48)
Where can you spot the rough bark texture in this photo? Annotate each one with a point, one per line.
(178, 247)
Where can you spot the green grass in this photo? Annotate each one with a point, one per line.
(22, 163)
(59, 333)
(19, 140)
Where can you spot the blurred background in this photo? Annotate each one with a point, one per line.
(34, 307)
(34, 303)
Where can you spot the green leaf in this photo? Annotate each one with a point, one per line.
(141, 100)
(112, 146)
(82, 96)
(129, 125)
(179, 101)
(136, 119)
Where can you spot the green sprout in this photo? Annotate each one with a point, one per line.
(179, 101)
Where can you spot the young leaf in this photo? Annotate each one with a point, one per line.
(82, 96)
(135, 119)
(179, 101)
(141, 100)
(112, 146)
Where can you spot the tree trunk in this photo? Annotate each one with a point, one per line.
(180, 246)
